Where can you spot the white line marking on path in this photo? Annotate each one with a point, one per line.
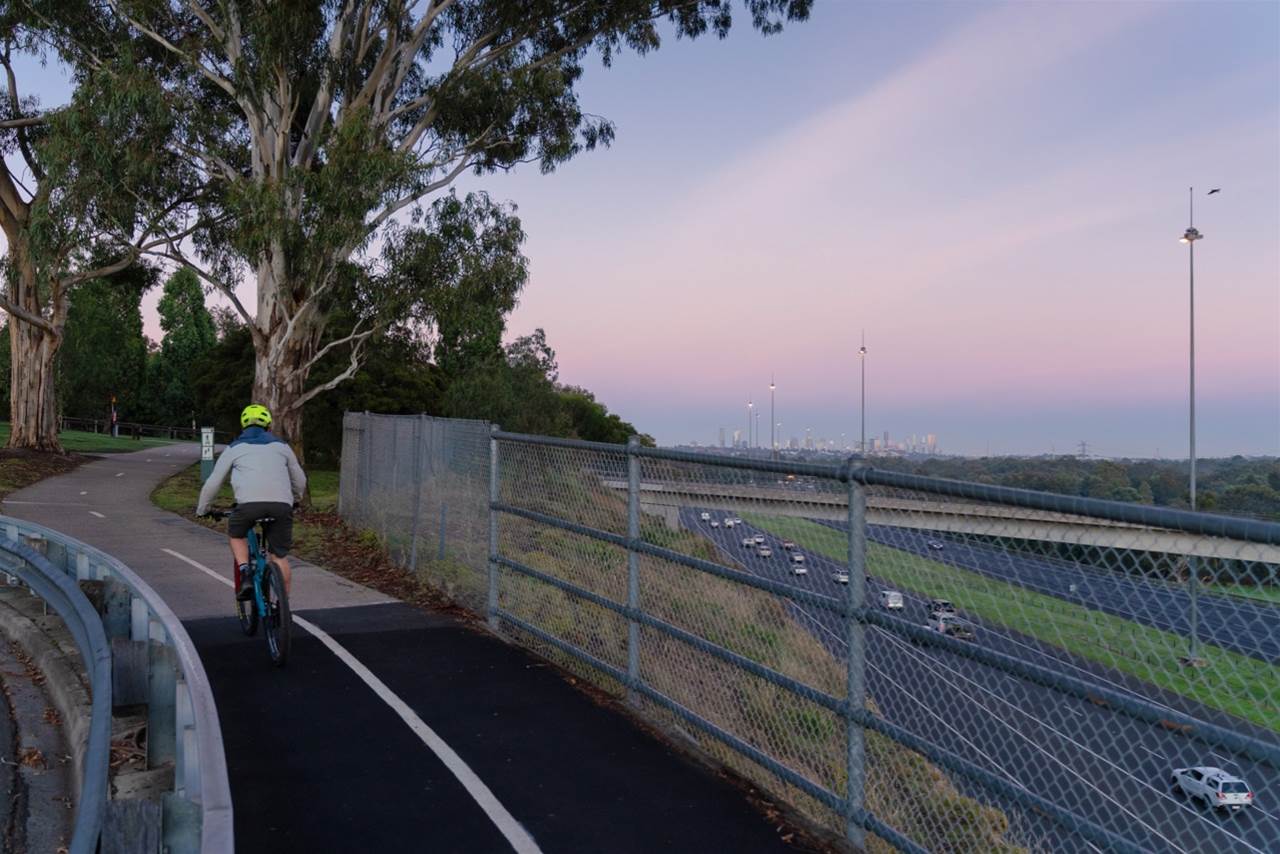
(84, 492)
(96, 513)
(506, 823)
(119, 474)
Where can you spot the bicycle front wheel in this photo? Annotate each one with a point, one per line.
(277, 623)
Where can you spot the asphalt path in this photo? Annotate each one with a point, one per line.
(1249, 628)
(1103, 765)
(392, 728)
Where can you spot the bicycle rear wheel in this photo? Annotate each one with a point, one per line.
(277, 623)
(246, 610)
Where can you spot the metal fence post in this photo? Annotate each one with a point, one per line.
(417, 493)
(444, 515)
(493, 529)
(856, 689)
(366, 448)
(633, 568)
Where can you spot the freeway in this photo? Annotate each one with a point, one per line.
(1105, 766)
(1246, 627)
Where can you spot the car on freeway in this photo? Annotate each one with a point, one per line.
(764, 551)
(940, 607)
(705, 517)
(799, 568)
(840, 577)
(759, 539)
(891, 599)
(715, 524)
(749, 542)
(936, 545)
(1213, 786)
(737, 521)
(796, 557)
(729, 523)
(950, 625)
(788, 545)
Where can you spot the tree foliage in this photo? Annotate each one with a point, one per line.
(189, 333)
(105, 354)
(319, 126)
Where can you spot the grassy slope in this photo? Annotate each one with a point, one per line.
(1234, 683)
(95, 443)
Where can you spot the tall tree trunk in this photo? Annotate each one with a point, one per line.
(33, 411)
(33, 407)
(278, 383)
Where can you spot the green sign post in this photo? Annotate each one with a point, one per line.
(206, 453)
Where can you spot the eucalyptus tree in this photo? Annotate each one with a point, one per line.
(327, 126)
(85, 190)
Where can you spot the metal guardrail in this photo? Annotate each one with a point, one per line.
(182, 720)
(82, 620)
(1095, 669)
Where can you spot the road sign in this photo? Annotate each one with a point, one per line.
(206, 453)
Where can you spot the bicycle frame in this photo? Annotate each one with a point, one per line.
(258, 558)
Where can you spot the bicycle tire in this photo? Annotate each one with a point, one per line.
(277, 623)
(247, 611)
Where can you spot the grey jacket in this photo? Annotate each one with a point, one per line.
(259, 472)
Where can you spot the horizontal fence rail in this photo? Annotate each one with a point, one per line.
(133, 429)
(916, 663)
(139, 637)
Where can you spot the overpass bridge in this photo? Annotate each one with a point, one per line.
(667, 498)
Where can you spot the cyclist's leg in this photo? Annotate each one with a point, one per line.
(280, 540)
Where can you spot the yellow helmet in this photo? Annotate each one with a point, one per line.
(255, 415)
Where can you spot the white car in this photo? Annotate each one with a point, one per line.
(936, 545)
(796, 557)
(840, 577)
(764, 551)
(759, 539)
(799, 569)
(706, 517)
(715, 524)
(729, 523)
(737, 521)
(1215, 787)
(749, 542)
(891, 599)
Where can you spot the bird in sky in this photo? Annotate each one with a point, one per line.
(1214, 190)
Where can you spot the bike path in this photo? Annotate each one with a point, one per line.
(320, 762)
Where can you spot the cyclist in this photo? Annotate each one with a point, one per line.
(267, 480)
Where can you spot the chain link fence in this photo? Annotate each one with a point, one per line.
(915, 664)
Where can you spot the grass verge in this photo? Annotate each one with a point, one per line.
(1233, 683)
(1248, 591)
(96, 443)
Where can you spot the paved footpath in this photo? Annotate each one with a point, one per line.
(393, 728)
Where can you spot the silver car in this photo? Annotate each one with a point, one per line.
(1213, 786)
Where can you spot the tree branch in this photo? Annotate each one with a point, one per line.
(25, 316)
(15, 103)
(347, 373)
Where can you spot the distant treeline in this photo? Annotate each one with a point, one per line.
(1241, 486)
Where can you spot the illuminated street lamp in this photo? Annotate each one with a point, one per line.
(862, 358)
(773, 436)
(1189, 237)
(750, 407)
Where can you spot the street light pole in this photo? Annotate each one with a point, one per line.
(773, 436)
(862, 357)
(1189, 237)
(750, 407)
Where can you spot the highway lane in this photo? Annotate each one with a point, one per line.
(1249, 628)
(1106, 766)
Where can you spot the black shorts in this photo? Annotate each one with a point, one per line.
(279, 531)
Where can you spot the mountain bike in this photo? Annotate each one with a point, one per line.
(270, 602)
